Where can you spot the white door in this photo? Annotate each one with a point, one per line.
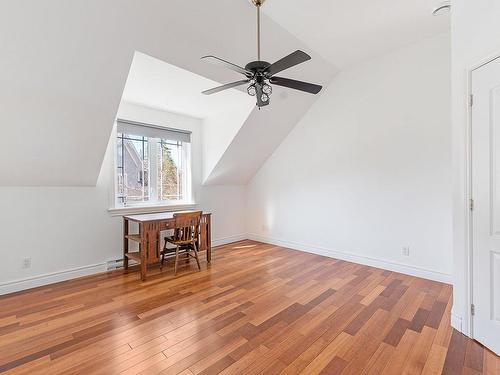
(486, 196)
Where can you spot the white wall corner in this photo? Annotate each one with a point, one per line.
(229, 239)
(456, 322)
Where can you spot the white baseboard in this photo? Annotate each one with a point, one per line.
(50, 278)
(456, 322)
(226, 240)
(373, 262)
(45, 279)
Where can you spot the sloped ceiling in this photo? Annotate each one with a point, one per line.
(64, 65)
(156, 84)
(346, 32)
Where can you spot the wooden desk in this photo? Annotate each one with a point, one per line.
(148, 238)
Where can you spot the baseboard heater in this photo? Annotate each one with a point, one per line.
(114, 264)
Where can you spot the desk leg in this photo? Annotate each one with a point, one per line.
(143, 250)
(209, 239)
(125, 243)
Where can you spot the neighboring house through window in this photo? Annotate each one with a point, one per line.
(153, 165)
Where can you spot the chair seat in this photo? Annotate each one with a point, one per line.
(178, 242)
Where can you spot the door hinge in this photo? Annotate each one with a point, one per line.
(471, 100)
(471, 204)
(472, 309)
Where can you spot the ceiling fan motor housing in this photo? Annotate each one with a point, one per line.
(257, 67)
(258, 3)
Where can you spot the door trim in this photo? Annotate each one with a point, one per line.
(469, 277)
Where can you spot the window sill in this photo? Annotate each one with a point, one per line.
(133, 210)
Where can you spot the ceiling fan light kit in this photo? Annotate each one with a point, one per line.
(442, 9)
(260, 74)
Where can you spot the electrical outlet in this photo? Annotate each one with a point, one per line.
(26, 263)
(405, 251)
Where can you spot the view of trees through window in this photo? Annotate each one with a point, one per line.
(170, 170)
(149, 169)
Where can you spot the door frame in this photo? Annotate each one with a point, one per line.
(469, 277)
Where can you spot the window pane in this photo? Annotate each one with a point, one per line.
(132, 169)
(156, 177)
(170, 167)
(119, 170)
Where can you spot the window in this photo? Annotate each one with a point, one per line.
(152, 165)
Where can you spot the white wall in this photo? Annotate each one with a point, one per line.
(368, 169)
(67, 228)
(219, 130)
(475, 29)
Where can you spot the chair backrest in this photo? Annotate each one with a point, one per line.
(187, 225)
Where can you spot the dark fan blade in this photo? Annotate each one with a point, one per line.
(297, 85)
(295, 58)
(225, 87)
(227, 64)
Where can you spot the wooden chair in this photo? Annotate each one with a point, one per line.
(185, 238)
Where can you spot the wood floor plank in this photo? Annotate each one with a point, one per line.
(418, 356)
(397, 331)
(246, 360)
(455, 356)
(378, 360)
(397, 362)
(326, 355)
(435, 360)
(474, 356)
(257, 309)
(491, 364)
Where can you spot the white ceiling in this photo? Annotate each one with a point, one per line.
(155, 83)
(349, 31)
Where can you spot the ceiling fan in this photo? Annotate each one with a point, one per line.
(260, 73)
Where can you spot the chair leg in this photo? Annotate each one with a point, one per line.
(176, 260)
(163, 255)
(195, 247)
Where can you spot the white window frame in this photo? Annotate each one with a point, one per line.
(118, 208)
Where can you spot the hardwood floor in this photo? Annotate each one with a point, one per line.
(258, 309)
